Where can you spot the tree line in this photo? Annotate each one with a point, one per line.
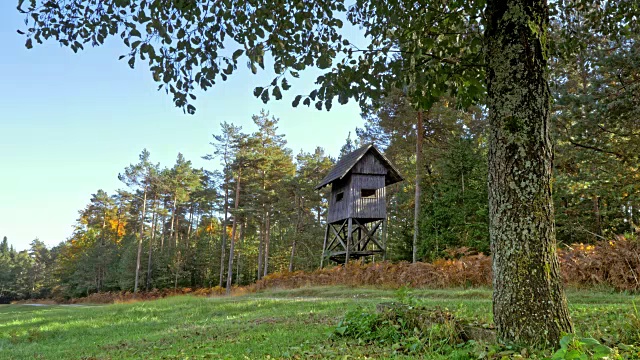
(258, 213)
(180, 226)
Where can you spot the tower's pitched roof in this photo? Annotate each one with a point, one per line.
(347, 162)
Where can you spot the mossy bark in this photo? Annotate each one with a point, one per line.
(529, 304)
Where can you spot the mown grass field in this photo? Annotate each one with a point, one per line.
(273, 324)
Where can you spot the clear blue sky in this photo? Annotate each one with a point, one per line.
(69, 123)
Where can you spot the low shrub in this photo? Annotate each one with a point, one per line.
(470, 271)
(614, 263)
(405, 327)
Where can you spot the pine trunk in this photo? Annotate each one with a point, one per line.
(299, 203)
(233, 235)
(173, 217)
(154, 227)
(144, 207)
(190, 226)
(267, 240)
(223, 247)
(529, 304)
(243, 226)
(177, 230)
(164, 226)
(261, 247)
(416, 207)
(596, 216)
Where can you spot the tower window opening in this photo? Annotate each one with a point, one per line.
(368, 193)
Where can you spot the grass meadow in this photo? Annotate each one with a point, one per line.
(298, 324)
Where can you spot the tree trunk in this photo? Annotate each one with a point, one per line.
(176, 233)
(529, 304)
(261, 246)
(154, 227)
(144, 208)
(173, 217)
(293, 253)
(164, 226)
(175, 281)
(632, 225)
(299, 204)
(416, 208)
(190, 225)
(233, 236)
(101, 268)
(596, 215)
(118, 223)
(267, 240)
(243, 226)
(223, 247)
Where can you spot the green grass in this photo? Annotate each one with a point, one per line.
(276, 324)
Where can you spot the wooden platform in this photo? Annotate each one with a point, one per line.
(339, 256)
(353, 239)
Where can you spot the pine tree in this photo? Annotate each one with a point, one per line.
(225, 148)
(139, 176)
(4, 246)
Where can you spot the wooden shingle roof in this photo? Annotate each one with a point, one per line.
(347, 162)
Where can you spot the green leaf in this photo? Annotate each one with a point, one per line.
(285, 85)
(257, 91)
(276, 93)
(265, 97)
(237, 54)
(601, 351)
(589, 341)
(29, 44)
(573, 354)
(324, 62)
(559, 354)
(296, 101)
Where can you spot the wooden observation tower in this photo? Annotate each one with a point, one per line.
(357, 207)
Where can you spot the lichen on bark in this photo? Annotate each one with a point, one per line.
(529, 302)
